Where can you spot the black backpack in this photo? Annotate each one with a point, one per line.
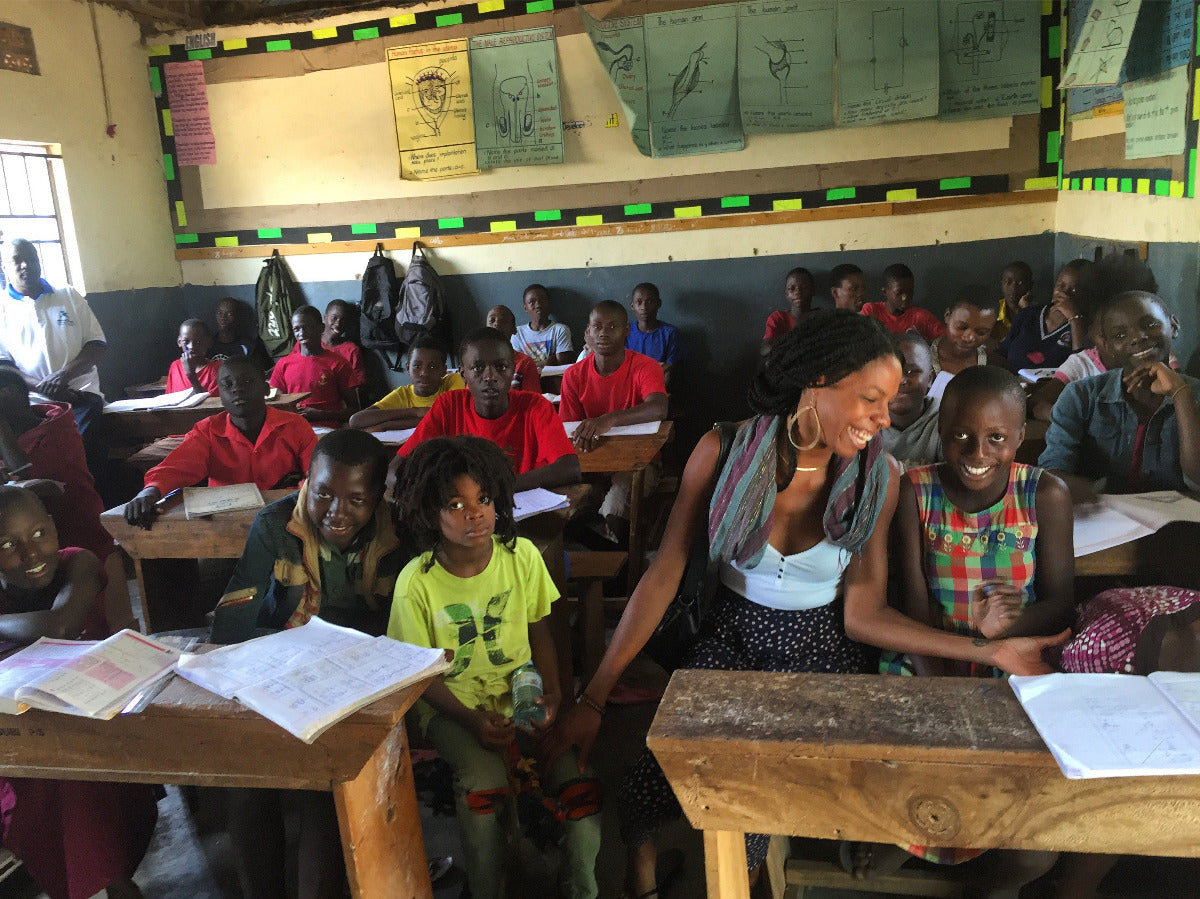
(422, 309)
(377, 310)
(275, 299)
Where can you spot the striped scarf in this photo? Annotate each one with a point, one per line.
(743, 503)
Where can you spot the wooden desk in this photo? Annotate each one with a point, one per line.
(142, 426)
(190, 736)
(934, 761)
(1171, 555)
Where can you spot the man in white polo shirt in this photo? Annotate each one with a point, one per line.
(51, 336)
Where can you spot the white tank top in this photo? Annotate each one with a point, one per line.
(803, 580)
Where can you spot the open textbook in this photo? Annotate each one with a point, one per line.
(1121, 518)
(644, 429)
(1116, 725)
(306, 679)
(82, 677)
(180, 399)
(528, 503)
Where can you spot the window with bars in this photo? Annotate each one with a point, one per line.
(31, 180)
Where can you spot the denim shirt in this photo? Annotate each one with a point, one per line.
(1092, 431)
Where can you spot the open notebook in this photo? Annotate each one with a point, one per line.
(180, 399)
(1118, 519)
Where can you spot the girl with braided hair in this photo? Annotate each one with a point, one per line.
(792, 521)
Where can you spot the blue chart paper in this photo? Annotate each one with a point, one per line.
(991, 60)
(1162, 39)
(1082, 100)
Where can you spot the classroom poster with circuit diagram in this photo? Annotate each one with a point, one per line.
(514, 84)
(991, 58)
(431, 96)
(887, 61)
(621, 47)
(691, 64)
(785, 64)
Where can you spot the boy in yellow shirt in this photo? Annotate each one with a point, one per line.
(405, 406)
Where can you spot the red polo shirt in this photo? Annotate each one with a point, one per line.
(526, 368)
(324, 376)
(351, 352)
(914, 318)
(177, 378)
(586, 393)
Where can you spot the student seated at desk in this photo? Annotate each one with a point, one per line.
(912, 438)
(1043, 336)
(75, 838)
(986, 553)
(336, 337)
(193, 370)
(1016, 286)
(231, 338)
(613, 386)
(969, 322)
(249, 443)
(326, 376)
(847, 287)
(544, 341)
(651, 336)
(896, 312)
(798, 289)
(330, 551)
(521, 423)
(407, 405)
(1135, 426)
(525, 370)
(475, 577)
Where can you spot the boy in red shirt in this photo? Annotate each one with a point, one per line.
(521, 423)
(193, 370)
(336, 335)
(525, 370)
(326, 376)
(897, 312)
(248, 443)
(798, 289)
(613, 386)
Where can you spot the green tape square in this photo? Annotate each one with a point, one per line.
(954, 183)
(364, 34)
(1126, 185)
(539, 6)
(169, 166)
(156, 79)
(276, 46)
(230, 241)
(638, 208)
(1162, 188)
(200, 54)
(840, 193)
(450, 18)
(547, 215)
(270, 233)
(450, 223)
(734, 202)
(1052, 146)
(1075, 184)
(1191, 182)
(365, 228)
(1054, 40)
(187, 238)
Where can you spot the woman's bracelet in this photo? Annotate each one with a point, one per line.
(1178, 390)
(592, 704)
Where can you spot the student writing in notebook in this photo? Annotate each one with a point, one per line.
(75, 838)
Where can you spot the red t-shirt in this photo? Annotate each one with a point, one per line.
(529, 432)
(526, 370)
(586, 393)
(912, 318)
(177, 378)
(324, 376)
(56, 451)
(779, 323)
(351, 352)
(217, 450)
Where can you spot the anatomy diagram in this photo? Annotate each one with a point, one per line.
(432, 90)
(784, 56)
(981, 33)
(887, 48)
(513, 107)
(687, 80)
(619, 60)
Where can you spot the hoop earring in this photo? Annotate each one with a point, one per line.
(793, 420)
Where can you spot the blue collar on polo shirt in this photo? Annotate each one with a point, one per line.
(46, 288)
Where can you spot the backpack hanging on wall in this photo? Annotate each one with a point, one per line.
(377, 309)
(422, 309)
(275, 300)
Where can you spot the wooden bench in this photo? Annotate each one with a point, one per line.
(591, 569)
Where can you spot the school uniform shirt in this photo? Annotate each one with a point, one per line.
(484, 619)
(525, 373)
(586, 393)
(351, 352)
(324, 376)
(1094, 433)
(407, 398)
(779, 323)
(914, 318)
(529, 431)
(662, 344)
(221, 350)
(538, 345)
(43, 334)
(215, 449)
(1030, 345)
(177, 378)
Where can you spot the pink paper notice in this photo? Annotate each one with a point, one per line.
(188, 95)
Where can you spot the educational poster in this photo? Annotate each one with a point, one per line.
(1097, 56)
(691, 64)
(1162, 38)
(621, 46)
(887, 60)
(1155, 115)
(431, 94)
(187, 93)
(514, 80)
(991, 58)
(785, 64)
(1086, 102)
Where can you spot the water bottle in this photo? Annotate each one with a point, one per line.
(526, 690)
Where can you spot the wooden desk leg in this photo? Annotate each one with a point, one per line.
(725, 865)
(381, 827)
(147, 626)
(637, 549)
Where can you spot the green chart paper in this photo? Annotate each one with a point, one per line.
(785, 64)
(621, 46)
(991, 58)
(887, 60)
